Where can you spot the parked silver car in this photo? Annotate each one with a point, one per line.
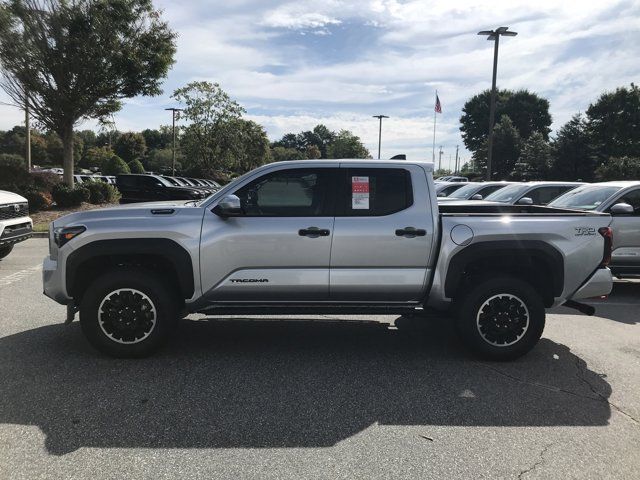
(475, 191)
(444, 189)
(531, 193)
(622, 201)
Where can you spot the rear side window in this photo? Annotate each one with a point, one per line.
(370, 192)
(126, 181)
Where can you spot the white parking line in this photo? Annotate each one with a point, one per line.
(19, 275)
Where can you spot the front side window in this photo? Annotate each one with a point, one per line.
(633, 199)
(288, 193)
(376, 192)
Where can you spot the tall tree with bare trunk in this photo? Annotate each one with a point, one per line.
(71, 60)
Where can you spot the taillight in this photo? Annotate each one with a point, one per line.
(607, 234)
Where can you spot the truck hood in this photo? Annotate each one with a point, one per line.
(10, 197)
(130, 210)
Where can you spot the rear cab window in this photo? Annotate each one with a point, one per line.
(371, 192)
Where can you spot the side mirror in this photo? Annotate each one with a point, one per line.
(622, 209)
(525, 201)
(229, 206)
(477, 196)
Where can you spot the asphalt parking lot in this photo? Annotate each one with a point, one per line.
(314, 397)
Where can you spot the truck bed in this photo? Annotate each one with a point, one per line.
(484, 209)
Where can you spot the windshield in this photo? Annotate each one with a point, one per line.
(589, 197)
(163, 180)
(466, 192)
(507, 194)
(172, 181)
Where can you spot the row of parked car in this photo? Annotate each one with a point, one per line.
(621, 199)
(150, 187)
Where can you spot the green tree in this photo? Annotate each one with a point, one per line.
(621, 168)
(574, 157)
(282, 154)
(347, 145)
(97, 157)
(253, 146)
(528, 112)
(79, 59)
(130, 146)
(135, 166)
(209, 137)
(535, 159)
(614, 123)
(158, 138)
(313, 152)
(161, 160)
(115, 166)
(506, 150)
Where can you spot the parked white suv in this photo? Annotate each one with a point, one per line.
(15, 224)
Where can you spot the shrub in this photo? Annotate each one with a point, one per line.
(115, 166)
(65, 196)
(12, 160)
(101, 192)
(37, 200)
(45, 181)
(621, 168)
(96, 193)
(135, 166)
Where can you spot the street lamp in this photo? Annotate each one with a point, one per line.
(380, 117)
(495, 36)
(173, 133)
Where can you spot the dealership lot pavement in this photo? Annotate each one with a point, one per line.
(314, 397)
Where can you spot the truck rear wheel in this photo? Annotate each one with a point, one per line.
(128, 313)
(500, 318)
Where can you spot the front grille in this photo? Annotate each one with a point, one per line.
(14, 210)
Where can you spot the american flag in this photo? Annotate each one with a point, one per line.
(438, 107)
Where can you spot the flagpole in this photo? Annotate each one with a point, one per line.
(433, 149)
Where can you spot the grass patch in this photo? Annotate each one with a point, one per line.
(41, 227)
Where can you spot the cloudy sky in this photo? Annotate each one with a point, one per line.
(298, 63)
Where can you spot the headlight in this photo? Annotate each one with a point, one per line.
(62, 235)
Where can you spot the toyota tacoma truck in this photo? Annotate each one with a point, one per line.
(331, 236)
(15, 224)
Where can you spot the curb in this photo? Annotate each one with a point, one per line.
(40, 235)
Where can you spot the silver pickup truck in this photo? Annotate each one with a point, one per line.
(329, 236)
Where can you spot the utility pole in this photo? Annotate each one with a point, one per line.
(173, 133)
(495, 36)
(456, 159)
(380, 117)
(440, 158)
(27, 154)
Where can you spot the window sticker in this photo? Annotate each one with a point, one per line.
(360, 193)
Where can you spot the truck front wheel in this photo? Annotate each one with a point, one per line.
(500, 318)
(128, 313)
(5, 250)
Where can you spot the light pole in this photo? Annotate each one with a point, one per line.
(495, 36)
(380, 117)
(173, 133)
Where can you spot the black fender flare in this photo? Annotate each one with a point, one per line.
(508, 253)
(165, 248)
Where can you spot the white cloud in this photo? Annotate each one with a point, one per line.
(388, 56)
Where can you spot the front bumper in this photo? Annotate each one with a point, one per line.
(53, 281)
(600, 283)
(17, 232)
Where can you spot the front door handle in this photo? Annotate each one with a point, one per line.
(314, 232)
(410, 232)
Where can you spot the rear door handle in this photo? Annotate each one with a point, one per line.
(314, 232)
(410, 232)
